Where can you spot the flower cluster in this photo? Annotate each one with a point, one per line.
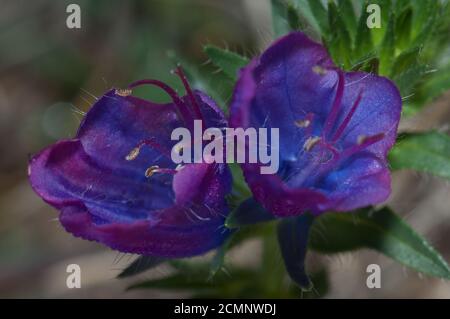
(115, 182)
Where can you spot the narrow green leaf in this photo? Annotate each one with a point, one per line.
(348, 16)
(339, 39)
(293, 18)
(141, 264)
(219, 258)
(229, 62)
(403, 28)
(380, 230)
(426, 152)
(424, 14)
(280, 23)
(303, 8)
(405, 60)
(386, 7)
(363, 41)
(438, 83)
(196, 279)
(241, 191)
(320, 15)
(387, 50)
(407, 80)
(271, 269)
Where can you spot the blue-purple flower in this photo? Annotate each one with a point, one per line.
(335, 127)
(115, 182)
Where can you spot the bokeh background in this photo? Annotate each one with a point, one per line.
(50, 75)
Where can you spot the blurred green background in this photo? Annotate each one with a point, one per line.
(50, 75)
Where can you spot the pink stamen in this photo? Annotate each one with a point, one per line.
(182, 76)
(332, 116)
(171, 92)
(365, 143)
(167, 171)
(331, 148)
(347, 119)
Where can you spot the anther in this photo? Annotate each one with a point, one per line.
(319, 70)
(363, 138)
(133, 154)
(303, 123)
(123, 92)
(310, 142)
(151, 170)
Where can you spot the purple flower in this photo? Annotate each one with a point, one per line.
(335, 127)
(115, 182)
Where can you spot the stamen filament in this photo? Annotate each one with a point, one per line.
(362, 143)
(347, 119)
(155, 169)
(185, 113)
(332, 116)
(182, 76)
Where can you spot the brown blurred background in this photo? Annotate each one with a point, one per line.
(50, 75)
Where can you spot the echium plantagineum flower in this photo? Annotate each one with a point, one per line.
(115, 182)
(335, 127)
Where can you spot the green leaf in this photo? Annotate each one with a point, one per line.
(241, 190)
(271, 268)
(302, 6)
(280, 22)
(141, 264)
(403, 27)
(407, 80)
(380, 230)
(426, 152)
(438, 83)
(195, 279)
(427, 31)
(339, 38)
(347, 11)
(363, 45)
(229, 62)
(405, 60)
(424, 17)
(219, 257)
(386, 7)
(320, 15)
(387, 50)
(293, 18)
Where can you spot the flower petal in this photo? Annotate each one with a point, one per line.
(293, 78)
(378, 111)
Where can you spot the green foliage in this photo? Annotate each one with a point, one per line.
(280, 18)
(228, 61)
(381, 230)
(426, 152)
(412, 40)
